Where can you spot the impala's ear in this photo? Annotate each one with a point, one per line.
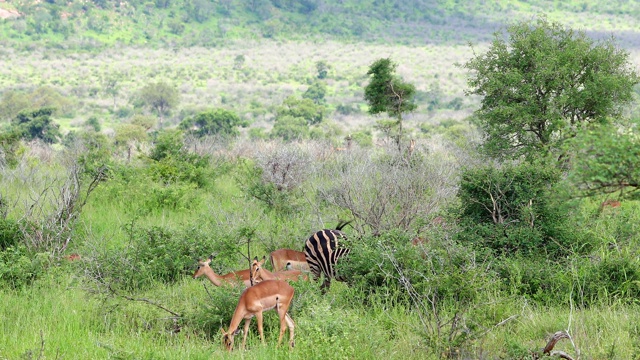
(255, 258)
(264, 258)
(238, 331)
(223, 331)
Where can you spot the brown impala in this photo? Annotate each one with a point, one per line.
(267, 295)
(231, 278)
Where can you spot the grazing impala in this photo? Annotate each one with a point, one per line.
(259, 273)
(267, 295)
(218, 280)
(281, 257)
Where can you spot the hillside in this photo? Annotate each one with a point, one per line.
(207, 23)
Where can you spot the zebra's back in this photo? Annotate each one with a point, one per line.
(322, 251)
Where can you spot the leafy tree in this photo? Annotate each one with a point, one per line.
(290, 128)
(9, 141)
(323, 69)
(301, 108)
(112, 85)
(127, 135)
(316, 92)
(160, 97)
(12, 103)
(93, 123)
(238, 62)
(514, 209)
(145, 121)
(386, 92)
(47, 96)
(606, 161)
(543, 85)
(213, 122)
(37, 124)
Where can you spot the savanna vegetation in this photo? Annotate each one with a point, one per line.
(491, 188)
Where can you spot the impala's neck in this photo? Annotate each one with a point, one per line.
(213, 277)
(265, 274)
(238, 315)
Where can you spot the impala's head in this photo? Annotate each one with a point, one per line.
(256, 268)
(227, 338)
(202, 267)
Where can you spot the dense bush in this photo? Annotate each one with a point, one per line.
(517, 209)
(10, 234)
(152, 254)
(19, 267)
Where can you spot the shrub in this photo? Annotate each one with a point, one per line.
(19, 268)
(10, 234)
(517, 209)
(152, 254)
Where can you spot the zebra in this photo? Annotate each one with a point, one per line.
(322, 251)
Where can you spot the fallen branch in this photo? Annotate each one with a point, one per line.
(548, 350)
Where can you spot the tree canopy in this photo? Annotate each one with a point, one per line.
(160, 97)
(37, 124)
(543, 85)
(386, 92)
(213, 122)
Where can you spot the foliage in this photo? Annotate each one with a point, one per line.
(304, 108)
(605, 161)
(516, 209)
(213, 122)
(316, 92)
(9, 143)
(290, 128)
(19, 267)
(10, 233)
(160, 97)
(173, 162)
(37, 124)
(93, 150)
(275, 179)
(386, 92)
(545, 84)
(387, 191)
(12, 103)
(152, 254)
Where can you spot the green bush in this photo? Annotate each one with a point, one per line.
(10, 234)
(518, 209)
(153, 254)
(216, 312)
(19, 268)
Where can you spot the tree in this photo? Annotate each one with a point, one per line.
(302, 108)
(160, 97)
(37, 124)
(127, 135)
(213, 122)
(316, 92)
(323, 69)
(12, 103)
(388, 93)
(544, 85)
(606, 161)
(112, 86)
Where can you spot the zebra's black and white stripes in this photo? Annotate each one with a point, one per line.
(322, 251)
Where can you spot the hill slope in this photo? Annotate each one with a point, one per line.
(203, 22)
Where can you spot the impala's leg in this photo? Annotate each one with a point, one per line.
(259, 317)
(246, 332)
(291, 326)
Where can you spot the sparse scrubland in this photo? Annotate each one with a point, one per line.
(482, 222)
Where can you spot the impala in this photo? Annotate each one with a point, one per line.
(280, 258)
(259, 273)
(267, 295)
(218, 280)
